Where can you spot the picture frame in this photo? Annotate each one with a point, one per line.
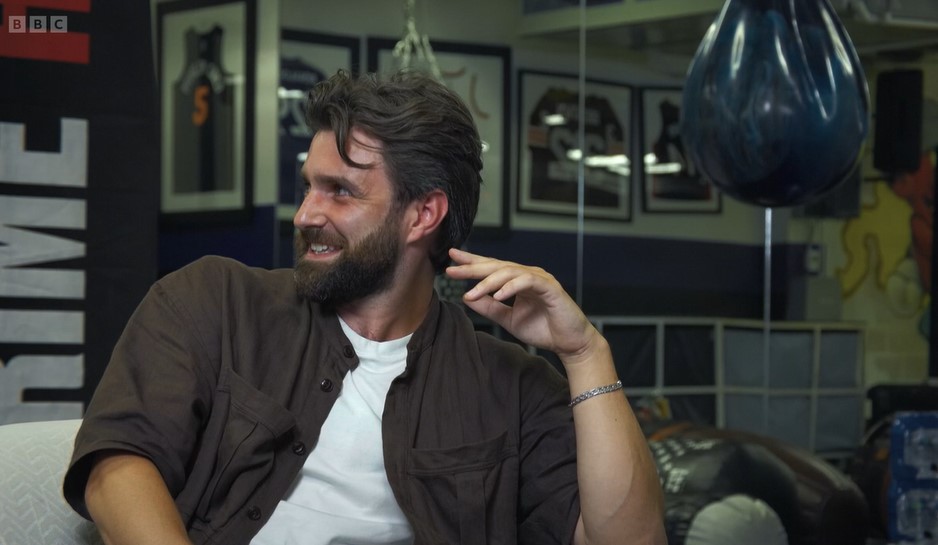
(548, 164)
(481, 75)
(206, 73)
(306, 58)
(670, 181)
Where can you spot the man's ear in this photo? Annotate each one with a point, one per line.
(427, 214)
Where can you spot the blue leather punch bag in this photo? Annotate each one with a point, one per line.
(775, 106)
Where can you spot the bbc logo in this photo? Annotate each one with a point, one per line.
(20, 24)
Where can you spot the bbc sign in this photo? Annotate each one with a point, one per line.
(19, 24)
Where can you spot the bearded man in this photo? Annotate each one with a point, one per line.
(343, 401)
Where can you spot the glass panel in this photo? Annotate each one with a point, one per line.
(688, 356)
(695, 408)
(839, 359)
(744, 412)
(789, 419)
(633, 349)
(791, 358)
(839, 423)
(742, 357)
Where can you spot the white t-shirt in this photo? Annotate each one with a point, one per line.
(342, 495)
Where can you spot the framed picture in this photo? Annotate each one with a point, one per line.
(306, 58)
(549, 163)
(671, 182)
(206, 53)
(481, 75)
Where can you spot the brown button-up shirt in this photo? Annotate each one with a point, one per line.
(224, 376)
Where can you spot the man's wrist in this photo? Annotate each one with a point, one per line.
(595, 350)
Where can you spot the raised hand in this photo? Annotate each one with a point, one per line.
(528, 302)
(619, 490)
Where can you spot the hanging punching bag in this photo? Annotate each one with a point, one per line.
(775, 106)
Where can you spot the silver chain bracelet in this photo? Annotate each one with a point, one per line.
(596, 391)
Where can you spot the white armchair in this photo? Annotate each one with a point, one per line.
(33, 460)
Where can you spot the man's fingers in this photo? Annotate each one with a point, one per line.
(471, 265)
(490, 308)
(463, 257)
(501, 280)
(504, 283)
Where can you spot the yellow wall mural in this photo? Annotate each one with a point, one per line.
(881, 226)
(897, 226)
(886, 274)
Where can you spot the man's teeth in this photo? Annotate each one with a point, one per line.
(319, 248)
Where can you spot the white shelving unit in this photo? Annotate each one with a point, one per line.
(713, 371)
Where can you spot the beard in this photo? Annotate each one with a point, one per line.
(361, 270)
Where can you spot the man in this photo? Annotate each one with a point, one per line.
(343, 402)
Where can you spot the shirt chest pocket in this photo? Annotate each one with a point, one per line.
(255, 427)
(469, 491)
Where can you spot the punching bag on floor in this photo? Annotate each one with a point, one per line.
(775, 106)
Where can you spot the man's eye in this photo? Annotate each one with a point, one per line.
(342, 191)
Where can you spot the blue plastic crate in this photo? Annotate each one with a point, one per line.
(913, 453)
(913, 512)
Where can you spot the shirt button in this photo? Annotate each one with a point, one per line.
(326, 385)
(299, 448)
(254, 513)
(348, 351)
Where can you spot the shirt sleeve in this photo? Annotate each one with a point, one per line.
(549, 503)
(157, 388)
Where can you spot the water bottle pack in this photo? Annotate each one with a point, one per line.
(913, 491)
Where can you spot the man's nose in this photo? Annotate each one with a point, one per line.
(310, 212)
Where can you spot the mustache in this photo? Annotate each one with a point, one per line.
(317, 235)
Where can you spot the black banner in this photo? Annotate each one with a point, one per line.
(79, 195)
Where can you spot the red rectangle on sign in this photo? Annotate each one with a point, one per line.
(71, 47)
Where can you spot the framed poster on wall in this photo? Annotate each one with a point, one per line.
(306, 58)
(481, 75)
(206, 54)
(670, 181)
(549, 162)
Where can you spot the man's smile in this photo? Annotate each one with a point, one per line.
(320, 249)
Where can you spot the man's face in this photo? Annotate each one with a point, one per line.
(362, 269)
(348, 242)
